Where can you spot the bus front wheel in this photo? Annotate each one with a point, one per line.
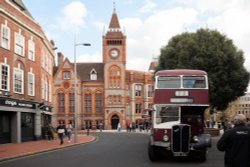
(203, 155)
(153, 153)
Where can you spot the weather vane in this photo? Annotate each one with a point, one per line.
(114, 5)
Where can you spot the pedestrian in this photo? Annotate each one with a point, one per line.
(128, 127)
(61, 130)
(140, 126)
(50, 132)
(88, 127)
(133, 126)
(69, 131)
(236, 144)
(226, 125)
(119, 127)
(146, 125)
(100, 126)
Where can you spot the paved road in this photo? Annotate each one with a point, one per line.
(110, 150)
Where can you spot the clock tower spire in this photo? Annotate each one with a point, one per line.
(114, 61)
(114, 42)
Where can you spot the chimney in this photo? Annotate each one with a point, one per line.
(60, 58)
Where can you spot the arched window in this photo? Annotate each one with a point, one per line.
(114, 77)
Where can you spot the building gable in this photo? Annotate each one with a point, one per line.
(65, 65)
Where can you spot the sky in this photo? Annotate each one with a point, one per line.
(148, 25)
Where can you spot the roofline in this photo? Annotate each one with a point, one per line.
(180, 72)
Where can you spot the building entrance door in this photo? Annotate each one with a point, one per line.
(114, 121)
(27, 126)
(5, 128)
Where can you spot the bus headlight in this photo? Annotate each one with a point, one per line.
(165, 138)
(195, 138)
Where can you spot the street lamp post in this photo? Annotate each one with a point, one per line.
(75, 87)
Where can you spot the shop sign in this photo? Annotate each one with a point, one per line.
(15, 103)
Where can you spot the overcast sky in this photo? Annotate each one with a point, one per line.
(148, 24)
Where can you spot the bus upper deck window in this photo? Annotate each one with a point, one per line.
(169, 82)
(194, 82)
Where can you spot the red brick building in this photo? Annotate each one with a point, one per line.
(26, 80)
(106, 91)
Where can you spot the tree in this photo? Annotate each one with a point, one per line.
(214, 53)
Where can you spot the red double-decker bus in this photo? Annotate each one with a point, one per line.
(180, 99)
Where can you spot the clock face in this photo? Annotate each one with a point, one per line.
(114, 53)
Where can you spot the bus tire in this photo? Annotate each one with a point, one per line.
(153, 153)
(203, 156)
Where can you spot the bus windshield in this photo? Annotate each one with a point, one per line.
(166, 114)
(169, 82)
(194, 82)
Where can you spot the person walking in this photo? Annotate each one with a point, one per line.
(61, 130)
(100, 126)
(128, 127)
(69, 131)
(236, 144)
(146, 125)
(119, 127)
(50, 132)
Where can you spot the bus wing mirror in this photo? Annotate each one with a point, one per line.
(148, 111)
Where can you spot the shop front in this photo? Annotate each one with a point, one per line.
(20, 121)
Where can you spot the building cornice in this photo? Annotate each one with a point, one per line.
(7, 14)
(20, 11)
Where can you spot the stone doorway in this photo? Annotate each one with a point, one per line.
(114, 121)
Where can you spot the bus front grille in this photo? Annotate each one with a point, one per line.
(181, 138)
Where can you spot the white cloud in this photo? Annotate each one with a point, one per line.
(234, 23)
(73, 16)
(94, 57)
(146, 37)
(99, 25)
(148, 6)
(215, 5)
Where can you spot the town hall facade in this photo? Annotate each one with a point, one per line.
(107, 92)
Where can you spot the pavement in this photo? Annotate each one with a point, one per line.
(17, 150)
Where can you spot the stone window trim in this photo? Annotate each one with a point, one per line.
(19, 44)
(5, 36)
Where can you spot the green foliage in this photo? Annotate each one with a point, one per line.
(214, 53)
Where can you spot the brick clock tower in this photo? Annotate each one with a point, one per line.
(114, 60)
